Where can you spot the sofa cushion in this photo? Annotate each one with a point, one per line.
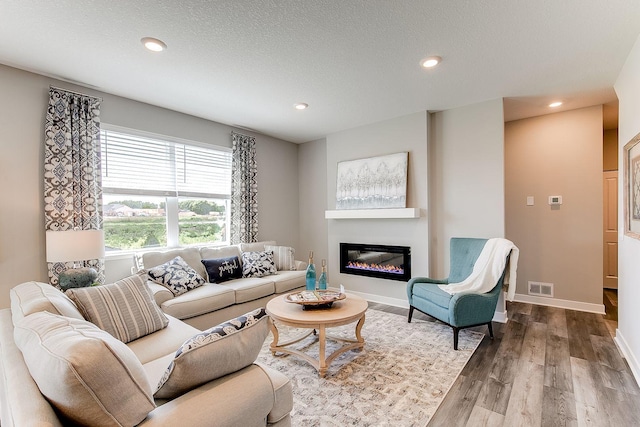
(162, 342)
(258, 264)
(204, 299)
(32, 297)
(214, 353)
(190, 255)
(176, 275)
(90, 377)
(251, 288)
(222, 269)
(283, 257)
(220, 252)
(256, 246)
(125, 308)
(285, 281)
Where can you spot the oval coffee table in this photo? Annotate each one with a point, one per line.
(342, 312)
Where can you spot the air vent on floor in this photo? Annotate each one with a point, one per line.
(541, 289)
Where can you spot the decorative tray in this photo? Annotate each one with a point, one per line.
(315, 299)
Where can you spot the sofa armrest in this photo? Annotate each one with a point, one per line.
(217, 402)
(160, 293)
(301, 265)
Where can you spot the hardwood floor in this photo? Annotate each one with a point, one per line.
(546, 367)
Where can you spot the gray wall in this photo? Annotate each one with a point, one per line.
(407, 133)
(22, 114)
(466, 154)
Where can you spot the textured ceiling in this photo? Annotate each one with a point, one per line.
(245, 63)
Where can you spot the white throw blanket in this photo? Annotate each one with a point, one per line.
(488, 269)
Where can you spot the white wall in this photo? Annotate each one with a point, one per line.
(22, 114)
(408, 133)
(466, 157)
(628, 334)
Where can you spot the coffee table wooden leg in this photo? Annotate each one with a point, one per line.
(274, 331)
(359, 329)
(322, 361)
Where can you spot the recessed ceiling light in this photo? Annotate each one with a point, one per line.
(555, 104)
(153, 45)
(430, 61)
(301, 106)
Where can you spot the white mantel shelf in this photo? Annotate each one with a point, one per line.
(372, 213)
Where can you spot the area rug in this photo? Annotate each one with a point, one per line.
(399, 379)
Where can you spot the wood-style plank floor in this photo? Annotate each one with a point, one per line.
(545, 367)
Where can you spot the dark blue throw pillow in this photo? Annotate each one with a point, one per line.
(222, 269)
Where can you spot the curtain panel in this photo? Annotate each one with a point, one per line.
(244, 190)
(72, 172)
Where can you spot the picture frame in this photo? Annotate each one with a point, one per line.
(372, 183)
(631, 165)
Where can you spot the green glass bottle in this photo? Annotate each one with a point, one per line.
(322, 281)
(311, 274)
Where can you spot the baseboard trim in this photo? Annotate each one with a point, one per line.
(561, 303)
(628, 355)
(500, 316)
(395, 302)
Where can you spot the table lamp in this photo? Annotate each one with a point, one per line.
(76, 246)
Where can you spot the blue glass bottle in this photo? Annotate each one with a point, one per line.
(311, 274)
(322, 281)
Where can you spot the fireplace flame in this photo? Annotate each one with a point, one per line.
(375, 267)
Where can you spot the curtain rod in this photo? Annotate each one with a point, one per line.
(74, 92)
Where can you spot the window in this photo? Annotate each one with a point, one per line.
(162, 192)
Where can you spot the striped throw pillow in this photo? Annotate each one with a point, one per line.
(125, 308)
(283, 257)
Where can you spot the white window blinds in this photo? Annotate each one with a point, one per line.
(141, 165)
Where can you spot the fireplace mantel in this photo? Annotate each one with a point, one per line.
(372, 213)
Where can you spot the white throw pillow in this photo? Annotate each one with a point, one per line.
(125, 309)
(216, 352)
(90, 377)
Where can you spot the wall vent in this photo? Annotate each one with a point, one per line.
(541, 289)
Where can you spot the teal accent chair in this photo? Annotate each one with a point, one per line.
(461, 310)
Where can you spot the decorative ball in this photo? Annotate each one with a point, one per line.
(77, 278)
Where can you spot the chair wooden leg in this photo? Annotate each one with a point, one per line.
(490, 330)
(410, 314)
(455, 337)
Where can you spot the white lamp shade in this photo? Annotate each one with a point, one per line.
(74, 245)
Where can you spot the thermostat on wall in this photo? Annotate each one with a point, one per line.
(555, 200)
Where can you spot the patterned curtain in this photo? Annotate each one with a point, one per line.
(72, 174)
(244, 190)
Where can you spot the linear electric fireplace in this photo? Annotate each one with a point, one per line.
(381, 261)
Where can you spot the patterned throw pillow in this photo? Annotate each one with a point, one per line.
(283, 257)
(125, 308)
(222, 269)
(176, 275)
(258, 264)
(214, 353)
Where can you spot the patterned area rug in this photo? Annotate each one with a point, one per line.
(399, 379)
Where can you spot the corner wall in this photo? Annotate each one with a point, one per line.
(628, 334)
(557, 154)
(22, 237)
(466, 182)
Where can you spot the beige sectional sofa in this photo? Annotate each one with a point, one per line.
(44, 337)
(213, 303)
